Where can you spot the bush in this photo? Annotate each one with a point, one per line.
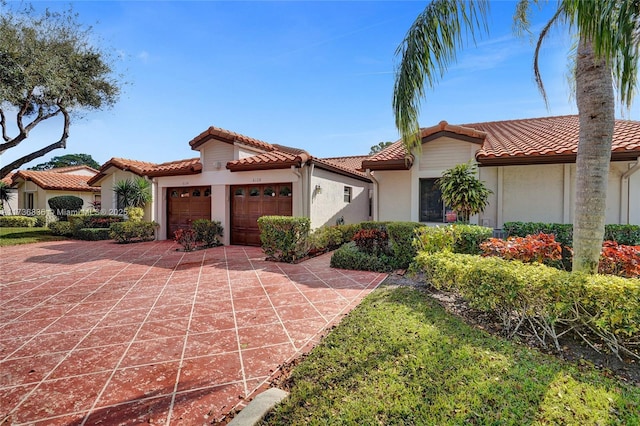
(401, 235)
(186, 238)
(208, 232)
(325, 238)
(18, 221)
(602, 309)
(349, 257)
(61, 228)
(64, 205)
(622, 234)
(620, 260)
(433, 239)
(92, 234)
(540, 248)
(373, 241)
(284, 238)
(348, 231)
(135, 214)
(129, 231)
(467, 238)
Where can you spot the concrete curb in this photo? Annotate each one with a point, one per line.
(258, 407)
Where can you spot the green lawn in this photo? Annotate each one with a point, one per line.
(400, 359)
(14, 236)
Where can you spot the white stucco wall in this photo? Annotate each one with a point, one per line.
(41, 199)
(393, 195)
(215, 155)
(327, 202)
(108, 196)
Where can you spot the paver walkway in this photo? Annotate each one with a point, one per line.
(102, 333)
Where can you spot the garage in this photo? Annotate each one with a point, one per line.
(249, 202)
(185, 205)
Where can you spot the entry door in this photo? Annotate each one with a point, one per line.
(186, 205)
(431, 205)
(250, 202)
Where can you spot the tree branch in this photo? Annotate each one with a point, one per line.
(24, 132)
(61, 143)
(3, 121)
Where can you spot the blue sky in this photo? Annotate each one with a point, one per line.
(313, 75)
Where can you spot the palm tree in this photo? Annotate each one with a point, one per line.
(463, 191)
(5, 196)
(133, 192)
(608, 53)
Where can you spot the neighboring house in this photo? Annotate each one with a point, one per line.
(236, 179)
(35, 188)
(9, 207)
(529, 165)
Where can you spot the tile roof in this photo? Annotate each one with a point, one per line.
(8, 179)
(72, 169)
(144, 168)
(268, 161)
(352, 164)
(228, 137)
(51, 180)
(524, 141)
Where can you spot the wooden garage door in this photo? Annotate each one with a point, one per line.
(249, 202)
(186, 205)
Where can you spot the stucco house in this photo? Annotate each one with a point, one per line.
(35, 188)
(529, 165)
(236, 179)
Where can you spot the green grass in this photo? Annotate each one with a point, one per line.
(400, 359)
(15, 236)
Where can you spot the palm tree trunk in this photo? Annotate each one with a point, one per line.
(596, 109)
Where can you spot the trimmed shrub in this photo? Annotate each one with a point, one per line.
(467, 238)
(325, 238)
(432, 239)
(348, 231)
(602, 309)
(620, 260)
(92, 234)
(18, 221)
(284, 238)
(61, 228)
(540, 248)
(350, 257)
(208, 232)
(628, 235)
(622, 234)
(372, 241)
(134, 213)
(130, 232)
(401, 235)
(64, 205)
(186, 238)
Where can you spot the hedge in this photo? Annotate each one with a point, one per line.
(284, 238)
(622, 234)
(18, 221)
(456, 238)
(65, 205)
(601, 309)
(401, 235)
(61, 228)
(92, 234)
(349, 257)
(130, 231)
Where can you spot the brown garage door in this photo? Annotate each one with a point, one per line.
(249, 202)
(186, 205)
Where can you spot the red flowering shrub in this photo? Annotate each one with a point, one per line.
(621, 260)
(372, 241)
(541, 248)
(186, 238)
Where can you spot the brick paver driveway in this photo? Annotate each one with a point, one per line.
(101, 333)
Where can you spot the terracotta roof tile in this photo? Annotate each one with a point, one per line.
(71, 169)
(8, 179)
(352, 164)
(268, 160)
(525, 141)
(229, 137)
(56, 181)
(144, 168)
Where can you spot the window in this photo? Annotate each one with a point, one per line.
(432, 208)
(29, 203)
(347, 194)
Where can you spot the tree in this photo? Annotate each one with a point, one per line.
(5, 196)
(377, 148)
(463, 191)
(48, 68)
(67, 161)
(608, 54)
(133, 192)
